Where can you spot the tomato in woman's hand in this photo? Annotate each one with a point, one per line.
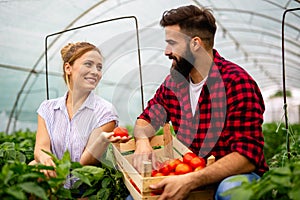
(197, 162)
(120, 131)
(187, 157)
(183, 168)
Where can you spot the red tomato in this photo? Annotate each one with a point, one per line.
(158, 174)
(198, 168)
(120, 131)
(173, 164)
(154, 172)
(171, 174)
(165, 169)
(188, 157)
(197, 162)
(183, 168)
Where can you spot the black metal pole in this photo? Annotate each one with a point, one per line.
(284, 85)
(92, 24)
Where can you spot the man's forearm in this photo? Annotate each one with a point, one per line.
(231, 164)
(143, 130)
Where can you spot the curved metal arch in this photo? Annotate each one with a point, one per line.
(37, 63)
(268, 64)
(292, 72)
(40, 59)
(264, 59)
(282, 7)
(257, 14)
(263, 32)
(272, 55)
(261, 68)
(265, 44)
(233, 38)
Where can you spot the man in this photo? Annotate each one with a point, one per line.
(214, 106)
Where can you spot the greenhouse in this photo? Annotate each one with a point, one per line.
(261, 36)
(249, 33)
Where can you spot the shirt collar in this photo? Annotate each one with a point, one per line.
(88, 103)
(214, 70)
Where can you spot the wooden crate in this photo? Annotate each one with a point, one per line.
(171, 148)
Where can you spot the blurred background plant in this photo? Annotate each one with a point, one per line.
(20, 181)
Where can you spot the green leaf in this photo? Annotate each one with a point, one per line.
(283, 181)
(20, 157)
(63, 193)
(34, 188)
(88, 192)
(9, 175)
(93, 197)
(284, 171)
(106, 182)
(16, 193)
(82, 177)
(63, 166)
(240, 194)
(263, 189)
(238, 178)
(75, 165)
(7, 146)
(294, 194)
(91, 173)
(32, 175)
(103, 194)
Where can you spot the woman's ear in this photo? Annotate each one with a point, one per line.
(68, 68)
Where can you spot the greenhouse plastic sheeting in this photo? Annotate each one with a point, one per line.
(249, 33)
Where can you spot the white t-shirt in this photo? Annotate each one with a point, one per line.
(195, 90)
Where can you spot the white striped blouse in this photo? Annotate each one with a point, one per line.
(72, 135)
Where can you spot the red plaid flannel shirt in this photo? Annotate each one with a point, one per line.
(228, 117)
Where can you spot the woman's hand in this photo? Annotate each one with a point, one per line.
(97, 145)
(109, 136)
(47, 161)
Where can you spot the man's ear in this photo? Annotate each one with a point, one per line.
(196, 43)
(68, 68)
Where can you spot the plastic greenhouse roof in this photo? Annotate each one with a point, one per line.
(249, 33)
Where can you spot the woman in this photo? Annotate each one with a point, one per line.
(79, 121)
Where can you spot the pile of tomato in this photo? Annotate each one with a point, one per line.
(190, 162)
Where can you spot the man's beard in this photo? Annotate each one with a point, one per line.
(183, 66)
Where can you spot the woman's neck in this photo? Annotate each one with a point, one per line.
(74, 101)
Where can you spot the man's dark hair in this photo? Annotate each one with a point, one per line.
(193, 21)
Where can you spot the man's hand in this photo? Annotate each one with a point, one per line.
(143, 152)
(143, 131)
(174, 187)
